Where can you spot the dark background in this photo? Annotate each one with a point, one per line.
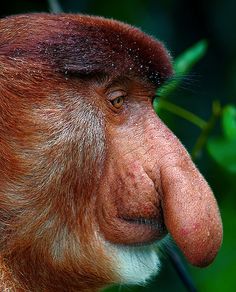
(180, 24)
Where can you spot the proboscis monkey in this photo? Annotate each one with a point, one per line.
(90, 178)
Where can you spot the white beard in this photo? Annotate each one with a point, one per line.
(136, 265)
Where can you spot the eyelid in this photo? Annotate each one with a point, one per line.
(116, 93)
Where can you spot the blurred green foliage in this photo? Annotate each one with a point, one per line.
(182, 65)
(199, 106)
(223, 147)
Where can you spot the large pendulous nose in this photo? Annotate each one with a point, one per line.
(190, 211)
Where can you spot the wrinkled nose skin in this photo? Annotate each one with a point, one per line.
(191, 213)
(190, 210)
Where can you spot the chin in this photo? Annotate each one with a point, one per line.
(136, 264)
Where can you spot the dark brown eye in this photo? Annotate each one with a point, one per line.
(118, 102)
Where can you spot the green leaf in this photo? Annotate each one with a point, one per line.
(182, 65)
(223, 152)
(229, 122)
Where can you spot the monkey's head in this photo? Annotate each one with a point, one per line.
(90, 178)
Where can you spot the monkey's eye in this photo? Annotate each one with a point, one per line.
(118, 102)
(117, 99)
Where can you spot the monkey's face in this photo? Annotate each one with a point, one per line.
(149, 184)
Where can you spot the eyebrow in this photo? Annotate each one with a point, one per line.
(106, 79)
(117, 80)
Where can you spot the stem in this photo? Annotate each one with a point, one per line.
(187, 115)
(181, 270)
(201, 141)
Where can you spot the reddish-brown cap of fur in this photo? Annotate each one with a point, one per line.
(82, 45)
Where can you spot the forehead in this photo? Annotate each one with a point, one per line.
(83, 45)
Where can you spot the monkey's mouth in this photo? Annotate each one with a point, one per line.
(142, 231)
(126, 229)
(150, 223)
(134, 219)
